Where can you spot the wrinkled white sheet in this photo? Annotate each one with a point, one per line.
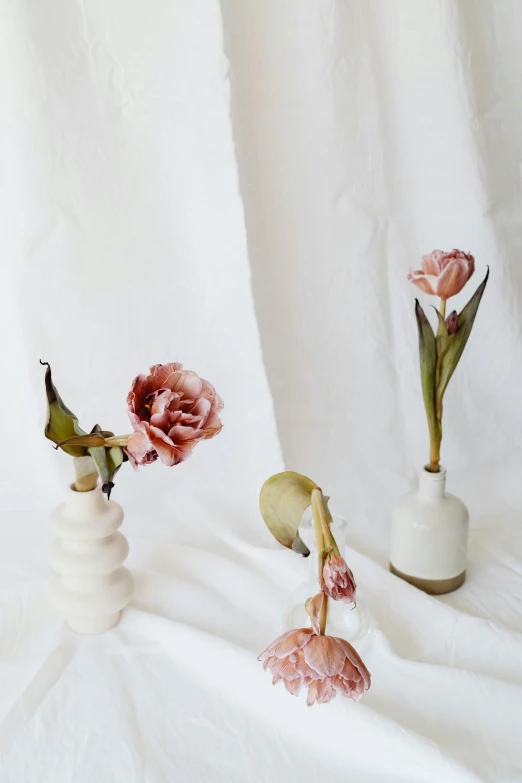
(175, 693)
(241, 186)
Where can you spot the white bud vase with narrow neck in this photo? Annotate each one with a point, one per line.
(92, 585)
(349, 621)
(429, 538)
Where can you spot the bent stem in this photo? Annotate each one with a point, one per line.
(322, 535)
(319, 511)
(319, 534)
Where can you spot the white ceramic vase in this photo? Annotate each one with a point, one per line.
(430, 536)
(348, 621)
(92, 586)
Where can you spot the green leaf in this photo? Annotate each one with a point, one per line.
(83, 440)
(428, 361)
(61, 423)
(453, 345)
(428, 369)
(283, 500)
(115, 459)
(107, 460)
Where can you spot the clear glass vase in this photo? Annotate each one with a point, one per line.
(349, 621)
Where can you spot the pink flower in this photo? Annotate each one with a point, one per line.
(323, 664)
(338, 582)
(443, 274)
(171, 410)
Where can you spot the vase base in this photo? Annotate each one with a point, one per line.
(93, 625)
(432, 586)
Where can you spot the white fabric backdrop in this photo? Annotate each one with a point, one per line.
(242, 186)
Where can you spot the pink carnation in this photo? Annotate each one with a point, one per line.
(171, 410)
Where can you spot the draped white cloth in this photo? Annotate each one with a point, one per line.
(241, 186)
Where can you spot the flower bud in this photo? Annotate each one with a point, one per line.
(452, 322)
(337, 580)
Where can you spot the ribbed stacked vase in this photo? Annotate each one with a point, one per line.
(92, 585)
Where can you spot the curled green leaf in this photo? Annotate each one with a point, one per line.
(61, 424)
(283, 500)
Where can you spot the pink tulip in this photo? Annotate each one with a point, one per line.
(171, 410)
(323, 664)
(443, 274)
(337, 580)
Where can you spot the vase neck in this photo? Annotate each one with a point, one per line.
(432, 486)
(85, 503)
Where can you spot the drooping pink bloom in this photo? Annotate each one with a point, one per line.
(443, 274)
(171, 410)
(337, 580)
(323, 664)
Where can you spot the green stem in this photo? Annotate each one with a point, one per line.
(318, 511)
(435, 440)
(436, 425)
(117, 440)
(322, 530)
(319, 535)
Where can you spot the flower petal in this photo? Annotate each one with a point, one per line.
(180, 433)
(431, 263)
(312, 693)
(325, 691)
(453, 278)
(426, 283)
(313, 608)
(138, 390)
(138, 446)
(162, 398)
(353, 656)
(160, 372)
(168, 453)
(294, 686)
(289, 642)
(323, 654)
(186, 382)
(202, 407)
(267, 652)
